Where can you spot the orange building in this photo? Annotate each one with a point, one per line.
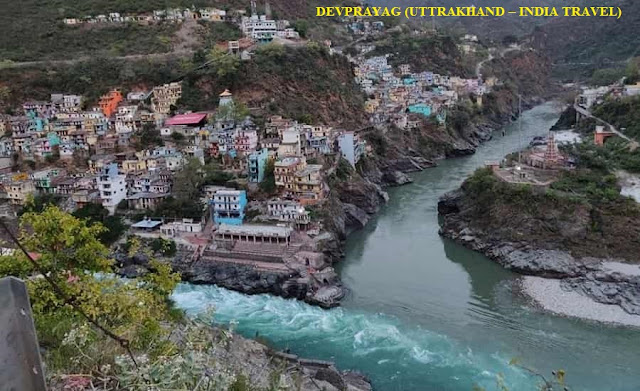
(109, 102)
(600, 135)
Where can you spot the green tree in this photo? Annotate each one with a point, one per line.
(188, 181)
(302, 27)
(633, 71)
(236, 111)
(148, 137)
(224, 63)
(114, 227)
(38, 203)
(163, 246)
(72, 306)
(268, 184)
(177, 137)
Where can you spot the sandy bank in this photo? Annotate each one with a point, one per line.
(548, 293)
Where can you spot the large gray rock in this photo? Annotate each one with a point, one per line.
(355, 217)
(396, 178)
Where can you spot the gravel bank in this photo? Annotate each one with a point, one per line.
(548, 293)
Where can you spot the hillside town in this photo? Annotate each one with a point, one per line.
(93, 155)
(271, 174)
(396, 96)
(261, 28)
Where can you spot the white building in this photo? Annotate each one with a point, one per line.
(259, 27)
(177, 227)
(174, 162)
(351, 147)
(126, 119)
(291, 144)
(288, 210)
(135, 96)
(112, 186)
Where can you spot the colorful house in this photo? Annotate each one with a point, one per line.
(420, 108)
(409, 81)
(109, 102)
(227, 206)
(256, 164)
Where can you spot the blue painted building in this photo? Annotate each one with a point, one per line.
(53, 139)
(409, 81)
(227, 206)
(420, 108)
(256, 165)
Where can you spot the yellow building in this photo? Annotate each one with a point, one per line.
(133, 166)
(371, 105)
(309, 187)
(285, 170)
(18, 191)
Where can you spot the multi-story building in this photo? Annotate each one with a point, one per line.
(309, 187)
(259, 27)
(126, 119)
(228, 206)
(213, 14)
(194, 152)
(256, 165)
(351, 147)
(163, 97)
(285, 170)
(43, 179)
(245, 141)
(112, 186)
(291, 144)
(109, 102)
(144, 201)
(19, 190)
(67, 103)
(289, 211)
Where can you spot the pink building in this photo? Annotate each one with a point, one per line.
(245, 141)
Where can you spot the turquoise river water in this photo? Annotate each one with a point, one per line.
(427, 314)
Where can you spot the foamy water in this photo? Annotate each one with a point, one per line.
(347, 336)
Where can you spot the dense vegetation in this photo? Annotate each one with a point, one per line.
(33, 30)
(91, 78)
(102, 332)
(72, 300)
(63, 42)
(622, 113)
(590, 45)
(427, 52)
(583, 213)
(304, 82)
(114, 227)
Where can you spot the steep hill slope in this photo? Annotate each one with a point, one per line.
(304, 82)
(32, 30)
(428, 52)
(591, 43)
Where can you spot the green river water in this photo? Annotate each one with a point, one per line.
(427, 314)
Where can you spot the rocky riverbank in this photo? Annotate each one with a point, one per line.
(521, 245)
(261, 365)
(288, 280)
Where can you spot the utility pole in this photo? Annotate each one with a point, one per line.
(520, 129)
